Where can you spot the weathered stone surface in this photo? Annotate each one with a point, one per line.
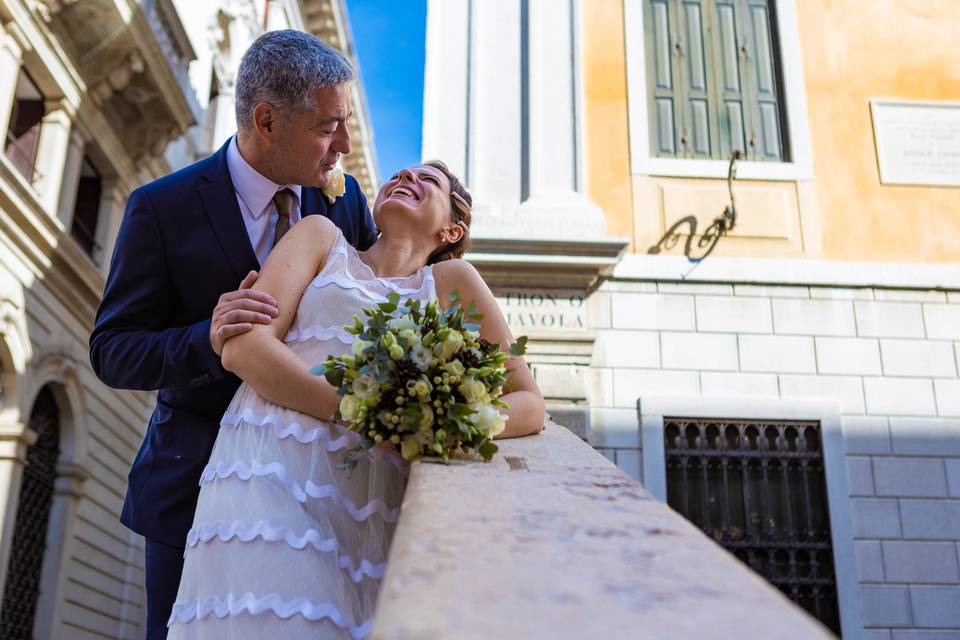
(550, 540)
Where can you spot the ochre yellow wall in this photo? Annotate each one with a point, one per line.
(853, 51)
(605, 130)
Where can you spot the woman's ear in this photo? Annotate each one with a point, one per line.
(451, 233)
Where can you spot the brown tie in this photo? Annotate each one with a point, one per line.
(286, 203)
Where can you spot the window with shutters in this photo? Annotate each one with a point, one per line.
(86, 209)
(705, 77)
(714, 79)
(23, 132)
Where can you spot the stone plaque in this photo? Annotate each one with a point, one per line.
(537, 311)
(918, 143)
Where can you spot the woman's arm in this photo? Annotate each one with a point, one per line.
(259, 356)
(526, 413)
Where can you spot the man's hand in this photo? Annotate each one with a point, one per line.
(237, 311)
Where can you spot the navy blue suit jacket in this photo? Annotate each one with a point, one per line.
(181, 245)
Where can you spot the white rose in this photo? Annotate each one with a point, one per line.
(336, 185)
(421, 357)
(427, 421)
(473, 390)
(365, 386)
(410, 448)
(409, 337)
(404, 322)
(359, 345)
(422, 387)
(349, 405)
(450, 345)
(454, 368)
(488, 420)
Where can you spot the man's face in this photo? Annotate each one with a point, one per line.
(307, 145)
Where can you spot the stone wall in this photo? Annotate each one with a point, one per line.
(887, 356)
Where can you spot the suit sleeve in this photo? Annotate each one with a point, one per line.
(367, 229)
(132, 346)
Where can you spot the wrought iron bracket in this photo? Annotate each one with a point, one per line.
(720, 226)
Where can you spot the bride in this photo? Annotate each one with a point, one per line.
(284, 543)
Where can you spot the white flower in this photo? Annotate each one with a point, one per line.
(403, 322)
(473, 390)
(454, 368)
(422, 387)
(359, 345)
(410, 448)
(427, 421)
(488, 420)
(409, 338)
(336, 185)
(450, 345)
(349, 405)
(421, 357)
(365, 386)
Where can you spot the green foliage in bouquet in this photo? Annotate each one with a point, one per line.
(422, 378)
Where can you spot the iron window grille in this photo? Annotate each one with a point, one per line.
(758, 489)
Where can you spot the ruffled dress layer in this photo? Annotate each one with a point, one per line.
(284, 543)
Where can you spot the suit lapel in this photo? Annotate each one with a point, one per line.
(220, 203)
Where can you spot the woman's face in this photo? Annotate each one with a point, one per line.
(419, 196)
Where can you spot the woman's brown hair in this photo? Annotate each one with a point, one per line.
(461, 203)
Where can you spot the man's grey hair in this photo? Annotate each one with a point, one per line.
(283, 68)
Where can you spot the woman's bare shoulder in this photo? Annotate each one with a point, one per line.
(458, 276)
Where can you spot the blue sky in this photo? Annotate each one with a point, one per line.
(390, 38)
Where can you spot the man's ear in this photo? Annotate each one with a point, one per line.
(264, 118)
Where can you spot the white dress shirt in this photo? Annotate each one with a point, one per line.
(255, 195)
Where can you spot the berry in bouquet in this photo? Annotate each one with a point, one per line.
(421, 378)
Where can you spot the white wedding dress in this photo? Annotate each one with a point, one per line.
(284, 544)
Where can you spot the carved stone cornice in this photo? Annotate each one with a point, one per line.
(133, 57)
(522, 262)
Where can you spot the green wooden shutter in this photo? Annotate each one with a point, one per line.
(699, 133)
(755, 22)
(659, 27)
(714, 84)
(728, 79)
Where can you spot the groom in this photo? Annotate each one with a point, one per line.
(185, 242)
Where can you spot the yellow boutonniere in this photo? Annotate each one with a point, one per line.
(336, 185)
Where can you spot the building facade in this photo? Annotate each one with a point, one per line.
(796, 392)
(96, 98)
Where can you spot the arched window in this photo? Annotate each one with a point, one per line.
(33, 515)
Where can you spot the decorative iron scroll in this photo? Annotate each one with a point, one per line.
(721, 225)
(758, 489)
(30, 527)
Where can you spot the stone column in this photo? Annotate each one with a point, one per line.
(495, 110)
(52, 155)
(552, 186)
(72, 168)
(11, 57)
(446, 82)
(112, 201)
(14, 440)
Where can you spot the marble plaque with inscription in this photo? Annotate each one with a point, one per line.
(536, 311)
(918, 143)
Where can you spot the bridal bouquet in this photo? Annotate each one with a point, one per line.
(422, 378)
